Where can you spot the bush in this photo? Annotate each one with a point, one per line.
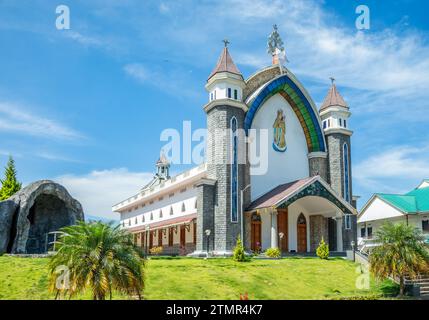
(322, 250)
(239, 254)
(155, 250)
(273, 253)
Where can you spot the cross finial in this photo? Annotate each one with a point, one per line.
(275, 27)
(332, 80)
(226, 42)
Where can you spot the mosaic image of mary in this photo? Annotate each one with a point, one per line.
(279, 138)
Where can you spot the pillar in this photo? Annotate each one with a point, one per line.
(274, 231)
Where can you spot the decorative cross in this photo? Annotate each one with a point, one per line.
(332, 79)
(226, 42)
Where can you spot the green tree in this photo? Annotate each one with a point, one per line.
(10, 184)
(322, 250)
(239, 254)
(401, 252)
(99, 257)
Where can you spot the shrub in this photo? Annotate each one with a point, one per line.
(273, 253)
(155, 250)
(322, 250)
(239, 254)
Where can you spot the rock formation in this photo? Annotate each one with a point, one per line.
(28, 216)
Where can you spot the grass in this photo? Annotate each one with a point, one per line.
(185, 278)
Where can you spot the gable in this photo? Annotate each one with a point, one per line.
(378, 209)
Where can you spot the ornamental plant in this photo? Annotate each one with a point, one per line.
(322, 250)
(239, 254)
(10, 184)
(273, 253)
(156, 250)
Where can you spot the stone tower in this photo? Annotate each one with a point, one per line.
(219, 203)
(335, 115)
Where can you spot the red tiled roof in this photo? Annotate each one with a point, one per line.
(333, 98)
(165, 223)
(273, 197)
(225, 64)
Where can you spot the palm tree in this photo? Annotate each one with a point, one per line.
(401, 252)
(97, 256)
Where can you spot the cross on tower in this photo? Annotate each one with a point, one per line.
(226, 42)
(332, 80)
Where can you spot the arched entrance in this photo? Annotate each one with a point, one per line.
(301, 233)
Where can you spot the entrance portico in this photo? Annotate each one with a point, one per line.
(296, 216)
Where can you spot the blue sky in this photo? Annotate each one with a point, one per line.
(86, 106)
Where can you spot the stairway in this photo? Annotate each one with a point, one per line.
(423, 282)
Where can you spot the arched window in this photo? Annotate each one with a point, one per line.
(183, 207)
(234, 171)
(346, 177)
(171, 211)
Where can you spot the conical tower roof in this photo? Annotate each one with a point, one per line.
(225, 64)
(333, 98)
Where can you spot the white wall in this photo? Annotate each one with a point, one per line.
(188, 197)
(285, 166)
(378, 209)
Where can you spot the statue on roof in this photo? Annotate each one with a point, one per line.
(274, 41)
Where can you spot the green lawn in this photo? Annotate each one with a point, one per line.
(290, 278)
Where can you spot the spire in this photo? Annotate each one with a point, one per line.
(225, 63)
(333, 98)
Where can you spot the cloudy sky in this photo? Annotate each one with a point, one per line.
(86, 106)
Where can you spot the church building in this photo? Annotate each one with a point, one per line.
(302, 194)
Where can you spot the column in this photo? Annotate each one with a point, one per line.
(274, 231)
(339, 232)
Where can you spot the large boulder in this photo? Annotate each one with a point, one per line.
(29, 215)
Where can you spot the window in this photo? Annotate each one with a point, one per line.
(215, 94)
(171, 211)
(235, 94)
(151, 216)
(129, 222)
(324, 124)
(369, 232)
(345, 123)
(346, 187)
(229, 92)
(183, 207)
(196, 204)
(425, 225)
(362, 232)
(234, 171)
(143, 218)
(135, 221)
(211, 96)
(348, 221)
(329, 123)
(341, 123)
(160, 213)
(123, 223)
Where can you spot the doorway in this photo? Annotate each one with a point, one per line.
(282, 226)
(302, 233)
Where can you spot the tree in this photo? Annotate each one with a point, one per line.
(10, 184)
(99, 257)
(401, 252)
(322, 250)
(239, 254)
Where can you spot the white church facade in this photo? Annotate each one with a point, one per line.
(303, 193)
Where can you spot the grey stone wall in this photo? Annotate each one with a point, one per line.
(260, 78)
(205, 214)
(319, 166)
(335, 143)
(219, 169)
(318, 229)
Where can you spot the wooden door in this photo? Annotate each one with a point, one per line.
(160, 238)
(182, 236)
(255, 244)
(170, 236)
(282, 226)
(302, 233)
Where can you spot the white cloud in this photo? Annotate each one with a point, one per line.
(14, 118)
(164, 8)
(83, 39)
(98, 191)
(393, 170)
